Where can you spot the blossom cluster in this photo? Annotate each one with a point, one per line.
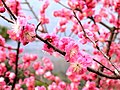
(84, 23)
(22, 31)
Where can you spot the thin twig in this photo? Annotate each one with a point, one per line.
(31, 9)
(11, 21)
(64, 6)
(34, 14)
(85, 34)
(104, 66)
(8, 47)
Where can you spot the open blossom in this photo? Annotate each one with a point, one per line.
(71, 50)
(117, 8)
(18, 87)
(15, 6)
(40, 71)
(3, 68)
(63, 42)
(27, 58)
(53, 86)
(11, 76)
(2, 83)
(53, 39)
(90, 86)
(48, 65)
(19, 24)
(2, 56)
(76, 4)
(12, 57)
(49, 76)
(36, 65)
(17, 27)
(22, 31)
(27, 34)
(72, 86)
(30, 82)
(78, 67)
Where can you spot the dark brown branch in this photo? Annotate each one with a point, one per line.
(104, 66)
(9, 10)
(102, 74)
(108, 47)
(48, 43)
(16, 66)
(85, 34)
(110, 42)
(37, 26)
(6, 19)
(109, 28)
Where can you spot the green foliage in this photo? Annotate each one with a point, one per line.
(24, 87)
(21, 74)
(40, 83)
(9, 68)
(3, 32)
(82, 84)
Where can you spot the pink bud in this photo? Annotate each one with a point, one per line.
(2, 9)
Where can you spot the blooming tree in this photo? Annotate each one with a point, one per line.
(94, 23)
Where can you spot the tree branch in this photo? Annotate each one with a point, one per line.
(48, 43)
(16, 66)
(102, 74)
(6, 19)
(9, 10)
(31, 9)
(85, 34)
(105, 66)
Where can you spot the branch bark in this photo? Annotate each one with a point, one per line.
(8, 9)
(16, 66)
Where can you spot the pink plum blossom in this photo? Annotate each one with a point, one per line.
(71, 50)
(53, 39)
(90, 86)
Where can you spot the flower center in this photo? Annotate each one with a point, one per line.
(28, 36)
(76, 67)
(50, 40)
(72, 52)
